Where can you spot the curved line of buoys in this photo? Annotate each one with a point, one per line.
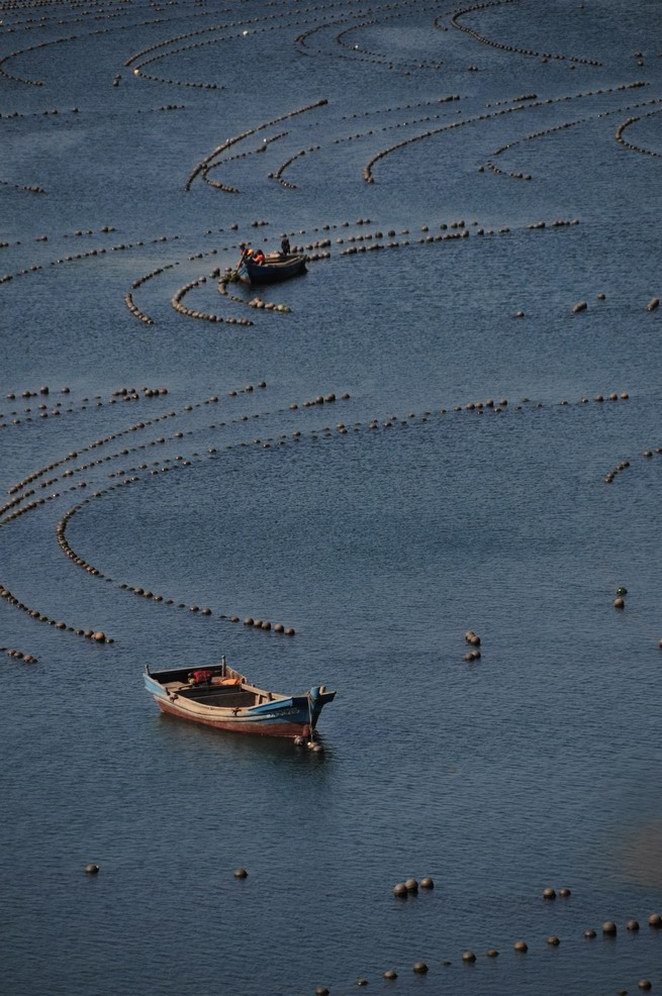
(206, 162)
(176, 302)
(368, 175)
(368, 169)
(88, 254)
(377, 58)
(510, 48)
(227, 188)
(77, 37)
(563, 126)
(249, 22)
(356, 136)
(31, 48)
(163, 467)
(94, 635)
(629, 145)
(253, 28)
(138, 282)
(382, 57)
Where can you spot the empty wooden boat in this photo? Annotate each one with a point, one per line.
(217, 695)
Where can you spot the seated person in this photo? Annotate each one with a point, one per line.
(258, 256)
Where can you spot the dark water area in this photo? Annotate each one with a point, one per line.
(476, 470)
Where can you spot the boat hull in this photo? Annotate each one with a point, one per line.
(274, 728)
(272, 271)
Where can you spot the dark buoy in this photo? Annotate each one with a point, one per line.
(553, 940)
(632, 925)
(411, 885)
(240, 873)
(549, 893)
(390, 974)
(427, 883)
(655, 920)
(91, 869)
(468, 956)
(565, 892)
(589, 934)
(609, 928)
(492, 953)
(619, 603)
(621, 591)
(521, 946)
(420, 968)
(400, 890)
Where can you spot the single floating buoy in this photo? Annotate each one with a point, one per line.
(468, 956)
(240, 873)
(521, 946)
(609, 928)
(91, 869)
(420, 968)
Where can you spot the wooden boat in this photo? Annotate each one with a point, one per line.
(219, 696)
(275, 267)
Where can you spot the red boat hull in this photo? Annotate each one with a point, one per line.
(238, 726)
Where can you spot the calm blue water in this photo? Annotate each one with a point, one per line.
(537, 765)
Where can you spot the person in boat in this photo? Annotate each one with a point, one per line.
(285, 249)
(258, 256)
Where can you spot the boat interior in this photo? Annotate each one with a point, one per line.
(229, 697)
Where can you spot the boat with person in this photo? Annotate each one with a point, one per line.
(219, 696)
(258, 268)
